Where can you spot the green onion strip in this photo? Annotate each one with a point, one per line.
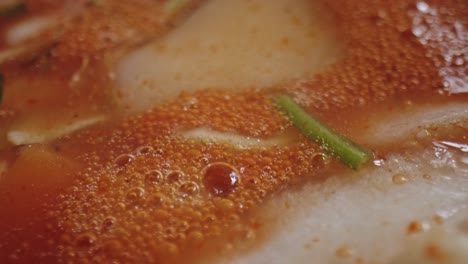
(335, 144)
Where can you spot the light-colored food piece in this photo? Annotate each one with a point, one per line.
(30, 36)
(273, 42)
(393, 127)
(235, 140)
(13, 53)
(29, 133)
(444, 245)
(370, 213)
(30, 28)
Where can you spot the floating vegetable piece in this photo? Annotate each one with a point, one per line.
(42, 132)
(237, 141)
(337, 145)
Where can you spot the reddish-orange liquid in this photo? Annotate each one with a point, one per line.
(131, 190)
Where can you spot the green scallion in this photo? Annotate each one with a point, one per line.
(13, 9)
(335, 144)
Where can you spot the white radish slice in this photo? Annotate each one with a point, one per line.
(407, 123)
(235, 140)
(368, 213)
(39, 133)
(228, 45)
(30, 36)
(30, 28)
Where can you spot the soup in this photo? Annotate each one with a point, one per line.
(145, 132)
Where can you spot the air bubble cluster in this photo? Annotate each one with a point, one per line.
(145, 195)
(167, 204)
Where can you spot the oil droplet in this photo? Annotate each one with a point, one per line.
(414, 227)
(124, 159)
(399, 179)
(154, 177)
(220, 178)
(85, 240)
(434, 251)
(343, 251)
(175, 177)
(188, 188)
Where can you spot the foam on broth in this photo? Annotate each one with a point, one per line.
(137, 189)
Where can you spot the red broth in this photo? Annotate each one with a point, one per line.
(130, 190)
